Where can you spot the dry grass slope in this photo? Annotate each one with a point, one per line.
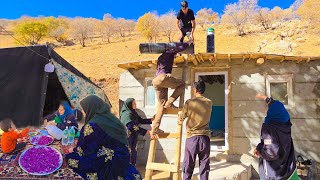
(99, 59)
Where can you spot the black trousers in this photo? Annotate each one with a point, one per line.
(184, 33)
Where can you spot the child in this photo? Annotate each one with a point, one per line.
(10, 136)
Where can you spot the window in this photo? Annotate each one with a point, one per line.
(150, 95)
(280, 87)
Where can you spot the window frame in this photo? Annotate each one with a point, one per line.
(286, 78)
(145, 94)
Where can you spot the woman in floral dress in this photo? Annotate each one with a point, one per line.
(102, 151)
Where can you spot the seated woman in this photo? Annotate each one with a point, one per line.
(101, 152)
(65, 116)
(130, 118)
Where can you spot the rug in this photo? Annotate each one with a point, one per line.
(10, 169)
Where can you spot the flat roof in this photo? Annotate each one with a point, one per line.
(199, 58)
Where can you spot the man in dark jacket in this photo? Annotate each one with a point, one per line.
(276, 151)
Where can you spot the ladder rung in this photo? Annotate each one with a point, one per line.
(169, 135)
(172, 110)
(162, 167)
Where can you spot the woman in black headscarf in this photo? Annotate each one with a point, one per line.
(101, 152)
(130, 118)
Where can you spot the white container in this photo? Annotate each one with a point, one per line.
(72, 134)
(54, 131)
(65, 137)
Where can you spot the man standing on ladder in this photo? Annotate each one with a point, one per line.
(162, 81)
(185, 21)
(198, 112)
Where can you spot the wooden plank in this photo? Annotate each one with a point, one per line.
(123, 66)
(172, 110)
(168, 135)
(132, 66)
(176, 176)
(151, 157)
(161, 167)
(184, 74)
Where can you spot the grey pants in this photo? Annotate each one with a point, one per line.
(197, 146)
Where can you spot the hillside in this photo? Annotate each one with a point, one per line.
(99, 59)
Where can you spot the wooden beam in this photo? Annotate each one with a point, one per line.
(154, 61)
(172, 110)
(229, 57)
(168, 135)
(212, 60)
(308, 60)
(193, 59)
(283, 59)
(260, 61)
(162, 167)
(123, 66)
(143, 64)
(300, 60)
(132, 66)
(151, 157)
(201, 57)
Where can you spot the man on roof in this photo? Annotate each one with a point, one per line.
(185, 21)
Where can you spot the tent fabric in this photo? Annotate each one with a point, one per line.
(75, 87)
(23, 83)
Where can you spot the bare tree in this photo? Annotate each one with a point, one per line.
(3, 23)
(167, 24)
(236, 17)
(296, 5)
(239, 14)
(81, 29)
(130, 25)
(206, 16)
(121, 26)
(263, 17)
(110, 28)
(59, 34)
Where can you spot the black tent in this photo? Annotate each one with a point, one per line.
(27, 92)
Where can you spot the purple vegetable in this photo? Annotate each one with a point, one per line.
(41, 140)
(40, 160)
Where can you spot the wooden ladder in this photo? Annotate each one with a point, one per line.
(175, 167)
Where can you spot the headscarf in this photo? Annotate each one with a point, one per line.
(127, 113)
(277, 113)
(97, 111)
(67, 111)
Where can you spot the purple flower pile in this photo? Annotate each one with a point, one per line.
(41, 140)
(40, 160)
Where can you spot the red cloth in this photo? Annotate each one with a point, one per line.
(9, 140)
